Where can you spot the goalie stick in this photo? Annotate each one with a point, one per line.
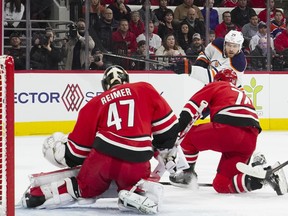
(181, 162)
(258, 171)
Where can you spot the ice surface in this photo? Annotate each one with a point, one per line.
(178, 201)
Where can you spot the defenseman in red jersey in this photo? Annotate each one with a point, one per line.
(233, 131)
(113, 136)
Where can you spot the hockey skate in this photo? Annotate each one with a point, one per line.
(129, 200)
(277, 180)
(184, 178)
(49, 196)
(147, 201)
(274, 175)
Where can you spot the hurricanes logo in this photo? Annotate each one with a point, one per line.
(72, 97)
(252, 92)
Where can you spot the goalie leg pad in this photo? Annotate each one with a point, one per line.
(47, 196)
(129, 200)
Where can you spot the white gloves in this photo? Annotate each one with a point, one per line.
(54, 149)
(168, 157)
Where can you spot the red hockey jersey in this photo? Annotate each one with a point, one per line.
(227, 104)
(121, 123)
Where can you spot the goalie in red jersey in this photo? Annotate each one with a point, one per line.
(114, 138)
(233, 131)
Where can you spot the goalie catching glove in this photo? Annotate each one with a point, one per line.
(167, 157)
(54, 149)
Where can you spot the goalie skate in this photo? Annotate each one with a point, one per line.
(274, 176)
(132, 201)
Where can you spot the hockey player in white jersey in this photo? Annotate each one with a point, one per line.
(222, 53)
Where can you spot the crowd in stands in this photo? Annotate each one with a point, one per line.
(115, 28)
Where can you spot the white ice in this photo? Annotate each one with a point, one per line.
(177, 201)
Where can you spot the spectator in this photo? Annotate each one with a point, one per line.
(249, 30)
(263, 14)
(151, 14)
(97, 61)
(139, 54)
(95, 12)
(120, 10)
(170, 49)
(47, 56)
(259, 55)
(214, 16)
(13, 10)
(136, 25)
(181, 11)
(124, 36)
(18, 53)
(230, 3)
(155, 40)
(261, 33)
(184, 37)
(169, 25)
(241, 14)
(195, 24)
(104, 29)
(225, 26)
(160, 12)
(281, 41)
(277, 24)
(196, 47)
(211, 36)
(75, 48)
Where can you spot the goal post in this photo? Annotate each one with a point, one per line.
(7, 176)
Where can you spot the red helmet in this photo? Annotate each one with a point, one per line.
(227, 75)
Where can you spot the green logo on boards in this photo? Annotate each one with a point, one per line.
(252, 91)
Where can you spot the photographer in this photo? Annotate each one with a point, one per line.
(45, 55)
(74, 49)
(97, 62)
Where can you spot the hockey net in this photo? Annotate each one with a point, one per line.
(7, 202)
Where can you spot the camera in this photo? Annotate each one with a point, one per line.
(97, 58)
(72, 30)
(45, 40)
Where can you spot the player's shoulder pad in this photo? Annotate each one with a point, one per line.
(239, 62)
(218, 43)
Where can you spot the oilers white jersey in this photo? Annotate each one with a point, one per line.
(214, 56)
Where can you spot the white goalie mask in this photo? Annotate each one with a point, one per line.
(114, 75)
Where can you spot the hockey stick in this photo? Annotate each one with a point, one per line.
(166, 64)
(199, 184)
(181, 162)
(258, 171)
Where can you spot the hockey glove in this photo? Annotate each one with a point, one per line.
(54, 149)
(168, 156)
(182, 66)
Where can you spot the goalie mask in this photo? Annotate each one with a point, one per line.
(226, 75)
(114, 75)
